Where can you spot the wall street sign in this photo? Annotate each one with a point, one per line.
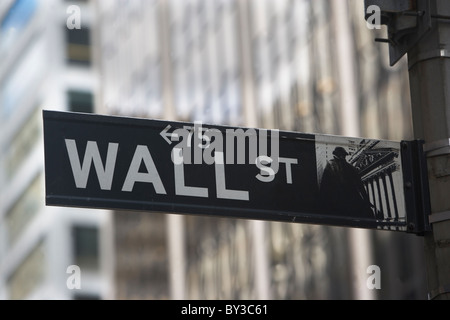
(122, 163)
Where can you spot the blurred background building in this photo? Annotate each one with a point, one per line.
(301, 65)
(43, 65)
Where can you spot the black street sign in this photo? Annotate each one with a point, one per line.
(108, 162)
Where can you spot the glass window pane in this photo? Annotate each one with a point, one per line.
(28, 275)
(86, 296)
(86, 251)
(15, 20)
(25, 78)
(24, 210)
(80, 101)
(23, 143)
(78, 46)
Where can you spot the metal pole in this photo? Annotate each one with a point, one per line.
(429, 74)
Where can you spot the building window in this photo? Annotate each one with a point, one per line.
(86, 247)
(15, 21)
(24, 210)
(86, 296)
(24, 79)
(18, 15)
(23, 143)
(78, 46)
(28, 275)
(80, 101)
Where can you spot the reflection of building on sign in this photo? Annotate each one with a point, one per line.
(359, 179)
(377, 166)
(342, 189)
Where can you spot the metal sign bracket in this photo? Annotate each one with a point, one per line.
(417, 195)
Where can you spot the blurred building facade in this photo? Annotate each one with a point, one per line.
(269, 64)
(260, 63)
(45, 65)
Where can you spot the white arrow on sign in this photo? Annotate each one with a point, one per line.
(167, 135)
